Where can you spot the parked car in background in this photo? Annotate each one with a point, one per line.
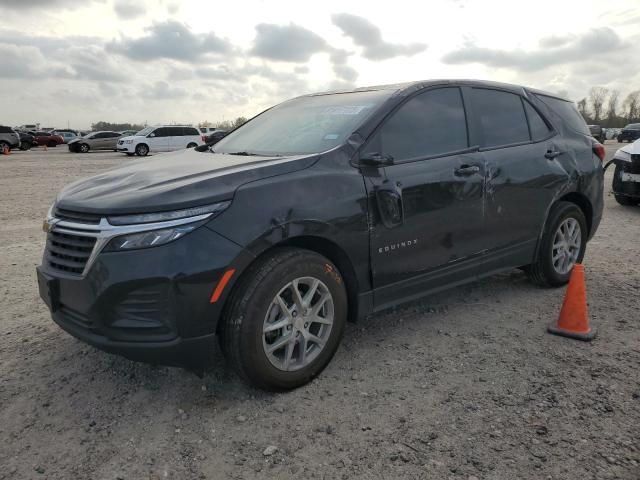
(630, 133)
(128, 133)
(212, 139)
(9, 138)
(47, 138)
(27, 141)
(67, 135)
(164, 138)
(597, 132)
(321, 209)
(626, 176)
(105, 140)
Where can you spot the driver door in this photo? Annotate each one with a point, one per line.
(427, 205)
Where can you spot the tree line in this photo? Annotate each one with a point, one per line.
(603, 107)
(119, 127)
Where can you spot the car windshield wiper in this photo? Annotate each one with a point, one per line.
(244, 154)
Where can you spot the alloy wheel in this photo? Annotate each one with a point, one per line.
(566, 246)
(298, 324)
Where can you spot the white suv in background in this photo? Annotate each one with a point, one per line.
(164, 138)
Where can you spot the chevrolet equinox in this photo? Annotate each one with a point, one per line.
(323, 209)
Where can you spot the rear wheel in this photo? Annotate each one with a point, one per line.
(192, 145)
(285, 319)
(142, 150)
(563, 244)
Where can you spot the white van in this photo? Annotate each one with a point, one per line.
(164, 138)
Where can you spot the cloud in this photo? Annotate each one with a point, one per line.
(171, 40)
(597, 42)
(366, 35)
(128, 10)
(161, 90)
(13, 61)
(287, 43)
(40, 4)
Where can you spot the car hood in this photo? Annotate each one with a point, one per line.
(76, 139)
(625, 152)
(170, 181)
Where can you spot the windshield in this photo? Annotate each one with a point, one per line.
(145, 131)
(304, 125)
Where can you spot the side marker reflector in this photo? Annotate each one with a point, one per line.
(215, 296)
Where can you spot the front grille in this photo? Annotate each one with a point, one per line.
(67, 252)
(77, 217)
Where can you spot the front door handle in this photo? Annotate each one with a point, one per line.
(465, 170)
(551, 154)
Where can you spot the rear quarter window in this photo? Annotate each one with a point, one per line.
(191, 131)
(568, 112)
(5, 130)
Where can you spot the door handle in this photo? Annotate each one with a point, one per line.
(551, 154)
(465, 170)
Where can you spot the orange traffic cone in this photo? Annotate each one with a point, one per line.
(574, 317)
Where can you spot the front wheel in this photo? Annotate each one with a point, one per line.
(142, 150)
(563, 244)
(285, 319)
(84, 148)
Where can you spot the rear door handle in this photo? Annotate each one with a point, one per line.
(551, 154)
(465, 170)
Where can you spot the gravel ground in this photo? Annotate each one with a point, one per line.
(465, 384)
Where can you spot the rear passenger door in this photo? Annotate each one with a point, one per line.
(523, 176)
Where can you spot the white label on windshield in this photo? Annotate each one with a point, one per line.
(331, 136)
(345, 110)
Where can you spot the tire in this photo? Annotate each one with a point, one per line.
(192, 145)
(142, 149)
(84, 148)
(253, 304)
(543, 271)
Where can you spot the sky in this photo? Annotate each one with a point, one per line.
(72, 63)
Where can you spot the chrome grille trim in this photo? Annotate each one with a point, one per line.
(103, 232)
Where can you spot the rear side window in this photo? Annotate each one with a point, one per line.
(431, 123)
(501, 116)
(568, 112)
(5, 130)
(191, 131)
(539, 128)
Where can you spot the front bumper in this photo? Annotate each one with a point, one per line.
(150, 305)
(626, 177)
(126, 147)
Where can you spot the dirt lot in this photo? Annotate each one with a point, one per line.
(463, 385)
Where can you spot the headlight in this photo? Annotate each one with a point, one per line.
(128, 141)
(153, 238)
(209, 210)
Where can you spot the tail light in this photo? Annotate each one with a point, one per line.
(598, 149)
(204, 138)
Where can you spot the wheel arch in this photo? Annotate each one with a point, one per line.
(583, 203)
(317, 244)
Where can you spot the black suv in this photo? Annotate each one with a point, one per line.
(630, 133)
(322, 209)
(598, 133)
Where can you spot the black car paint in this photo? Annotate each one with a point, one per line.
(455, 227)
(629, 134)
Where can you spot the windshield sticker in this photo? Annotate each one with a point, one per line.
(345, 110)
(331, 136)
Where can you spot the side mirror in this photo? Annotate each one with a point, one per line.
(151, 135)
(375, 159)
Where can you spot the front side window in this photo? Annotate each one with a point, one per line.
(501, 117)
(431, 123)
(304, 125)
